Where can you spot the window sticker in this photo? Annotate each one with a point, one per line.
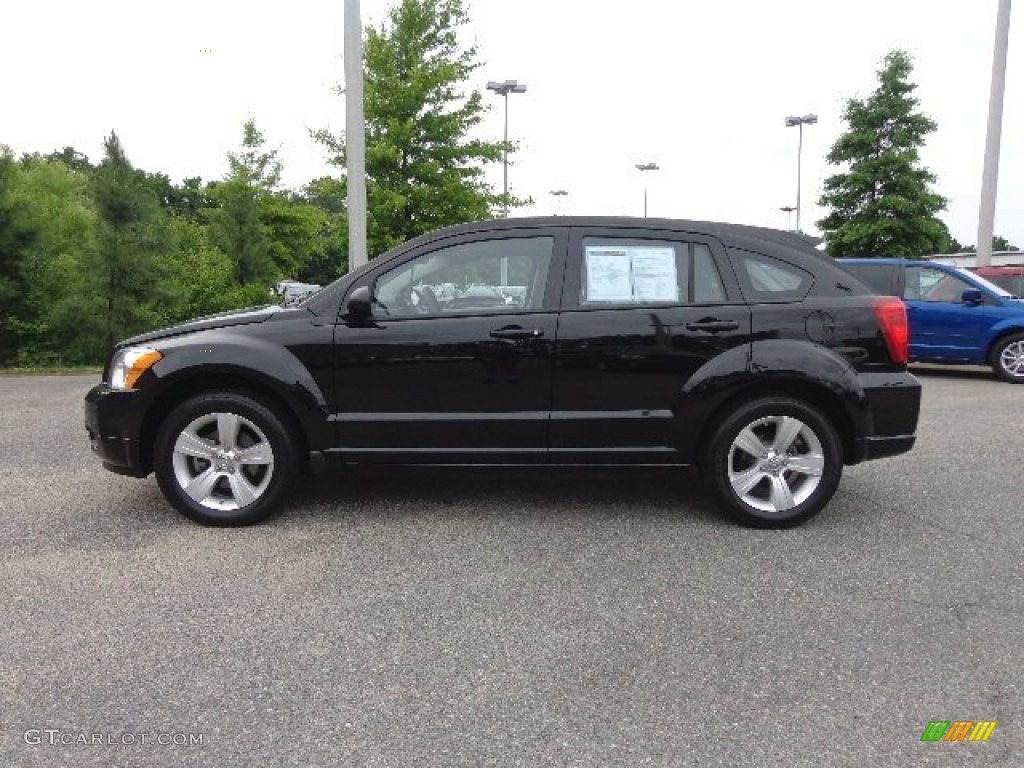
(609, 274)
(654, 274)
(631, 273)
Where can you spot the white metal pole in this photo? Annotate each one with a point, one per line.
(355, 136)
(990, 175)
(504, 160)
(799, 173)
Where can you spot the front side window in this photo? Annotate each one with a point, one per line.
(929, 284)
(616, 272)
(504, 275)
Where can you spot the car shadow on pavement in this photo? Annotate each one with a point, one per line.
(472, 492)
(964, 372)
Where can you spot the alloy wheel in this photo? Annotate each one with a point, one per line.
(775, 463)
(223, 461)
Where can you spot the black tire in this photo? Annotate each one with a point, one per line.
(1007, 358)
(780, 486)
(234, 453)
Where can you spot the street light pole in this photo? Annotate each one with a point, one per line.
(788, 209)
(644, 168)
(800, 122)
(504, 89)
(355, 136)
(559, 194)
(993, 138)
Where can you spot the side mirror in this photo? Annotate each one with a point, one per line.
(358, 305)
(972, 296)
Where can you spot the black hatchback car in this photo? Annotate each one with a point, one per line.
(548, 341)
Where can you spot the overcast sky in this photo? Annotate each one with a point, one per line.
(699, 87)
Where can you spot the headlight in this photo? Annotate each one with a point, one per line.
(130, 363)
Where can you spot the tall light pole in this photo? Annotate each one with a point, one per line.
(504, 89)
(644, 168)
(788, 209)
(800, 122)
(559, 194)
(355, 136)
(990, 174)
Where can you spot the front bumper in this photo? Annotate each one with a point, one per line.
(113, 420)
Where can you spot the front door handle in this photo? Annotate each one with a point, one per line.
(517, 332)
(713, 326)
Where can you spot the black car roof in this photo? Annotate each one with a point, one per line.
(738, 235)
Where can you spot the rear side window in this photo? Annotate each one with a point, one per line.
(764, 278)
(1008, 282)
(634, 272)
(880, 278)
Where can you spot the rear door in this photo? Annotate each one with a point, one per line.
(642, 313)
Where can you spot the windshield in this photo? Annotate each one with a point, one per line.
(983, 283)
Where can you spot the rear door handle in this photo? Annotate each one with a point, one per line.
(516, 332)
(713, 326)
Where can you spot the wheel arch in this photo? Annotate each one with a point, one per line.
(185, 388)
(1000, 335)
(828, 402)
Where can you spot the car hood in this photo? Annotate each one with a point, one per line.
(222, 320)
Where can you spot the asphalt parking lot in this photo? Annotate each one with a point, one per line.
(467, 618)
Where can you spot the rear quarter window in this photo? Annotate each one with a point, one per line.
(763, 278)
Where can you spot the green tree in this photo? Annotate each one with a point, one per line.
(72, 158)
(883, 204)
(294, 227)
(329, 259)
(422, 169)
(127, 273)
(237, 230)
(999, 243)
(256, 166)
(54, 204)
(17, 237)
(268, 233)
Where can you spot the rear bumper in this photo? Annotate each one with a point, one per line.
(892, 404)
(113, 421)
(880, 447)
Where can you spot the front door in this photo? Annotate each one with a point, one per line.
(942, 326)
(456, 362)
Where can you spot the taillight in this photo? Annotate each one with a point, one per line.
(892, 319)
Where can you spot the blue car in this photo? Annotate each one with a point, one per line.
(956, 317)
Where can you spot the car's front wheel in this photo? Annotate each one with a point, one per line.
(1008, 358)
(224, 459)
(774, 462)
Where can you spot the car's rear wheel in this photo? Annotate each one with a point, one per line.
(774, 462)
(224, 459)
(1007, 359)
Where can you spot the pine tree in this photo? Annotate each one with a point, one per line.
(129, 264)
(883, 205)
(267, 232)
